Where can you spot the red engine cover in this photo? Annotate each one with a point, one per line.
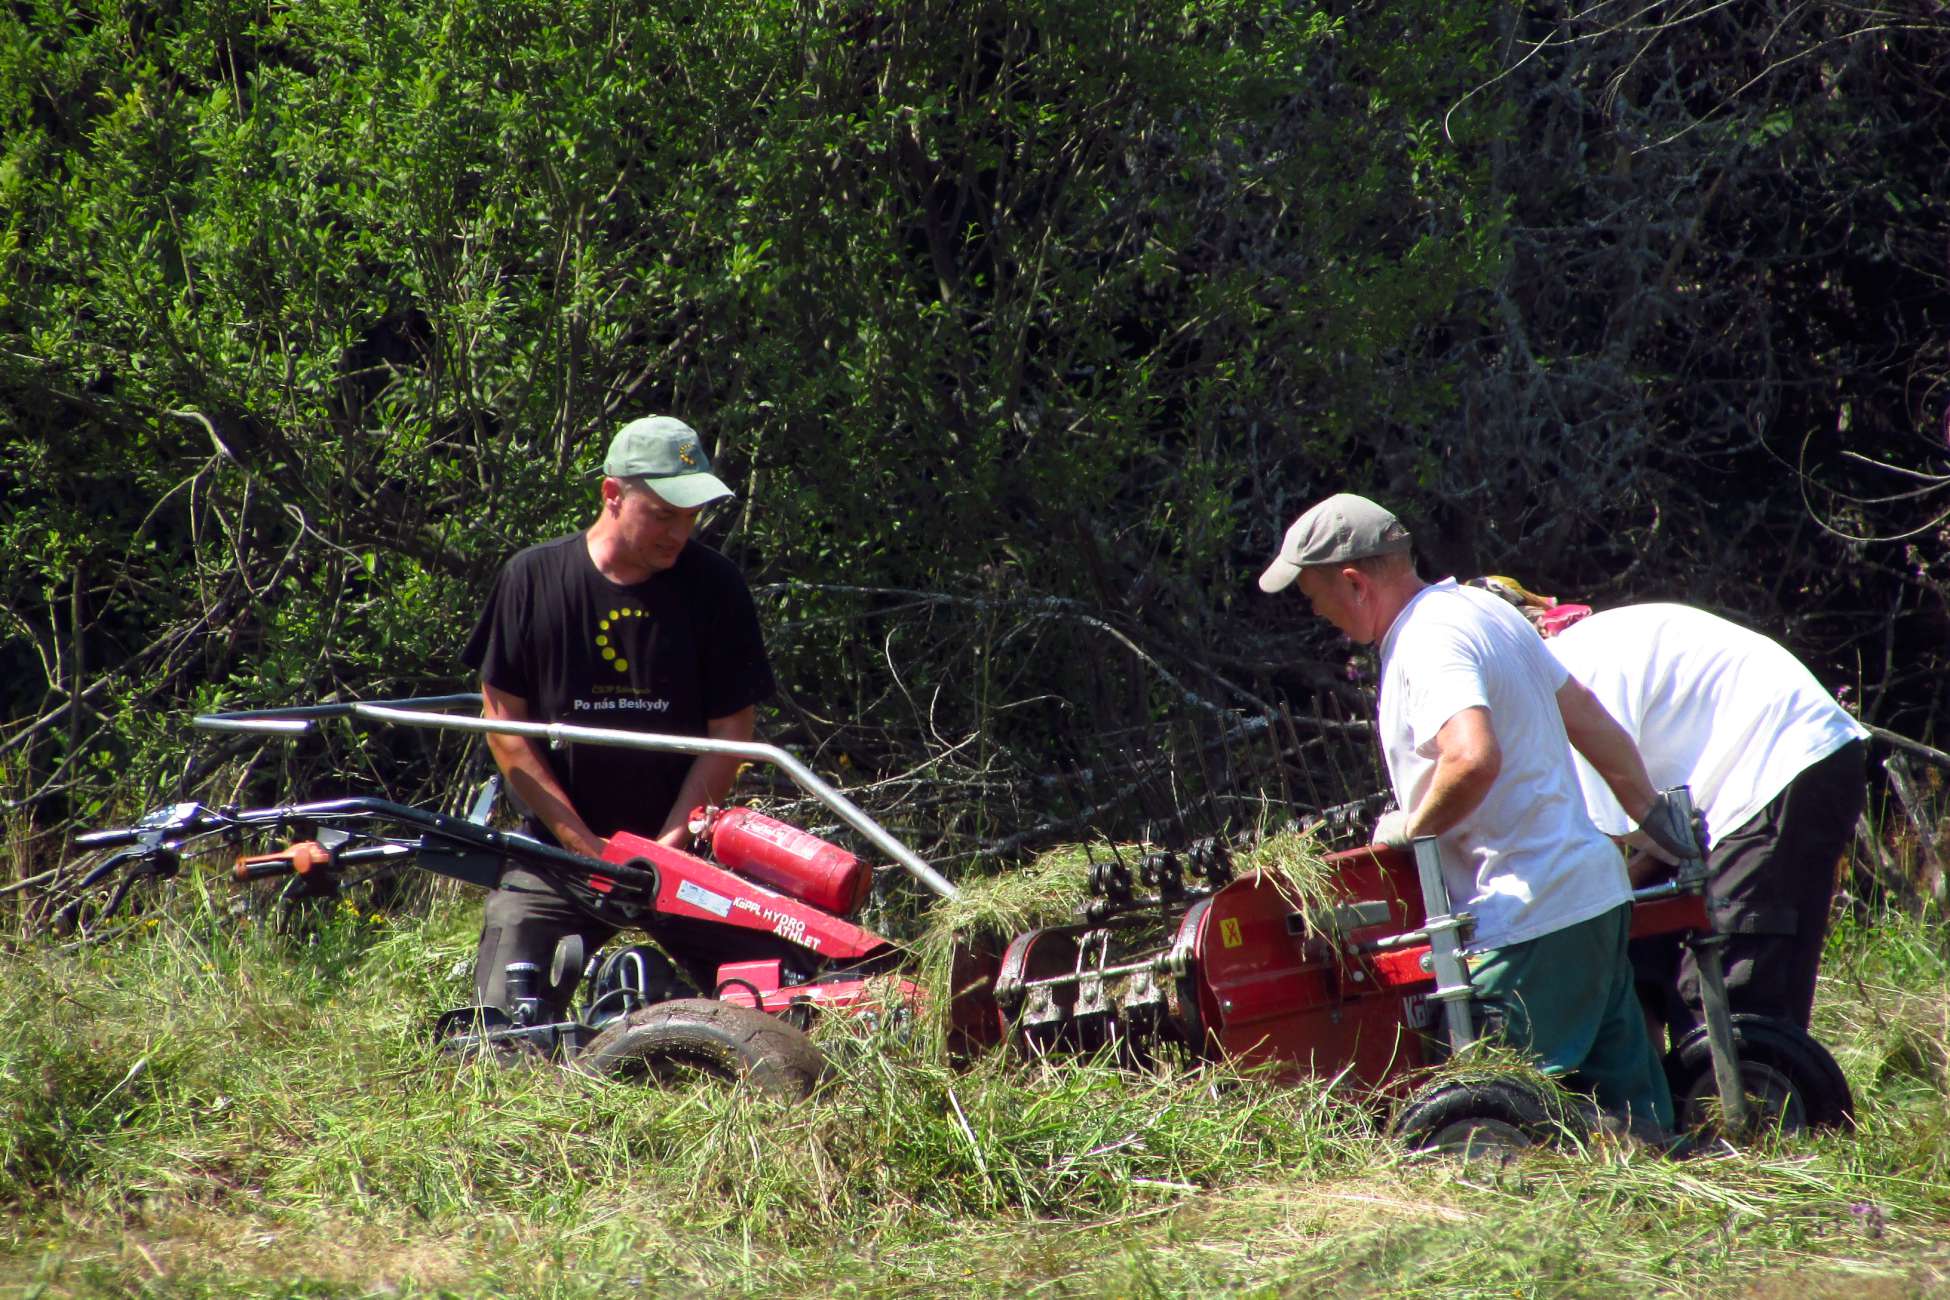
(690, 888)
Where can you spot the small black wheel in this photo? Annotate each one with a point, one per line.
(1791, 1081)
(1472, 1117)
(693, 1037)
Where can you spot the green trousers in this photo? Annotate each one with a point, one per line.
(1567, 1000)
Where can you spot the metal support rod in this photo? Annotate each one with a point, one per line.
(1714, 1006)
(1445, 944)
(266, 726)
(1460, 922)
(297, 719)
(1664, 889)
(559, 733)
(1734, 1118)
(1158, 963)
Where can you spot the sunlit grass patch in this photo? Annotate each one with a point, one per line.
(211, 1107)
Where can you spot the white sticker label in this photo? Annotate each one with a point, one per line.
(698, 896)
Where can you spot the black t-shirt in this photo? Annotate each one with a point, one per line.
(665, 654)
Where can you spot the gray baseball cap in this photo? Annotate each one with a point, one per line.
(1343, 527)
(668, 456)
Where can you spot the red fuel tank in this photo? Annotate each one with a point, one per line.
(784, 857)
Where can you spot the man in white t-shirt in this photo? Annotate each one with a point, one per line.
(1776, 767)
(1477, 722)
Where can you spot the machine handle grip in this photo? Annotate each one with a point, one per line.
(304, 858)
(106, 839)
(259, 868)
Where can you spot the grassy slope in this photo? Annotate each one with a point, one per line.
(200, 1108)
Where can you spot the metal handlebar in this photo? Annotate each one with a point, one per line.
(292, 720)
(561, 732)
(108, 839)
(296, 719)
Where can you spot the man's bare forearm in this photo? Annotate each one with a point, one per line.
(1607, 746)
(1468, 760)
(530, 778)
(710, 775)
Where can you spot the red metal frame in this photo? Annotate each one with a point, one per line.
(691, 889)
(1336, 991)
(1309, 992)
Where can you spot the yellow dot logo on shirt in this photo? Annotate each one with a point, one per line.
(605, 626)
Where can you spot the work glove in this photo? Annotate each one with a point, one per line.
(1392, 830)
(1666, 829)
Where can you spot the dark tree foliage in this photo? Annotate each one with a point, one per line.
(1023, 330)
(1715, 369)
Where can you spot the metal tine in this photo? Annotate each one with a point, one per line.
(1248, 782)
(1177, 793)
(1087, 779)
(1209, 794)
(1232, 783)
(1093, 868)
(1206, 836)
(1220, 817)
(1279, 754)
(1306, 769)
(1087, 796)
(1161, 804)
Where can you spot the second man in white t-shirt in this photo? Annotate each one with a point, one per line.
(1477, 722)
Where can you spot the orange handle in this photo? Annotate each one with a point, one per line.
(304, 857)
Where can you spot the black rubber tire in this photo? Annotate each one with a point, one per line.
(1472, 1117)
(672, 1041)
(1790, 1078)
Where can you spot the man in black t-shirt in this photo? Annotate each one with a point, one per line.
(629, 625)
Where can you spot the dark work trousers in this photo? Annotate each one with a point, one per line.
(1771, 885)
(524, 920)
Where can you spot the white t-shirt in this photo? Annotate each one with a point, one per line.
(1712, 706)
(1527, 861)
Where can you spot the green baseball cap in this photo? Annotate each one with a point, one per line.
(668, 457)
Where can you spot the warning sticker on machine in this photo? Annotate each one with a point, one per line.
(698, 896)
(1229, 931)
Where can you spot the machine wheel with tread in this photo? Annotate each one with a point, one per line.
(690, 1037)
(1791, 1081)
(1479, 1117)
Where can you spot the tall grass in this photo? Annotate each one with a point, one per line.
(203, 1107)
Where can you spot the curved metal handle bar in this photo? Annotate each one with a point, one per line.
(233, 720)
(803, 776)
(272, 726)
(296, 719)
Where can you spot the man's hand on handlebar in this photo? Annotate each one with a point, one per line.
(1391, 831)
(589, 846)
(1680, 839)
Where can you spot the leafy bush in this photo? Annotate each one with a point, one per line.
(1022, 330)
(319, 312)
